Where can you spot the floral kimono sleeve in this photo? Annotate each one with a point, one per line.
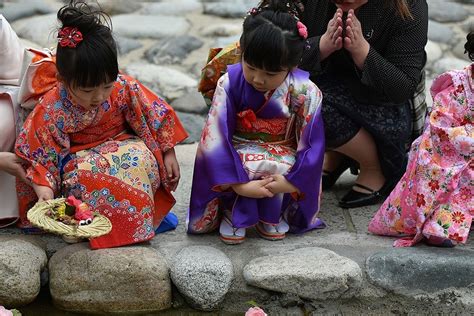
(150, 117)
(41, 144)
(306, 172)
(310, 151)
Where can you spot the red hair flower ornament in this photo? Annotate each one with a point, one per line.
(302, 30)
(69, 37)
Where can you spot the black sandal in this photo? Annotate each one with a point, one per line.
(357, 199)
(329, 178)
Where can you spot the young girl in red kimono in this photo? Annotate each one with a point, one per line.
(99, 135)
(260, 156)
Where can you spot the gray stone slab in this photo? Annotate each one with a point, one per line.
(126, 279)
(192, 102)
(310, 273)
(40, 29)
(175, 7)
(449, 63)
(167, 82)
(21, 263)
(193, 124)
(149, 26)
(439, 32)
(16, 11)
(173, 50)
(126, 45)
(428, 269)
(227, 10)
(203, 275)
(446, 11)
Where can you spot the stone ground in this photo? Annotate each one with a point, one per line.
(338, 270)
(420, 280)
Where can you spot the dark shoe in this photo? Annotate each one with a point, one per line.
(357, 199)
(329, 178)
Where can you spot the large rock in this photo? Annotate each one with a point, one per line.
(449, 63)
(21, 263)
(15, 11)
(167, 82)
(127, 279)
(173, 50)
(192, 102)
(173, 7)
(227, 40)
(433, 51)
(203, 275)
(118, 6)
(459, 51)
(438, 11)
(229, 9)
(126, 45)
(311, 273)
(468, 25)
(149, 26)
(40, 29)
(409, 270)
(439, 32)
(193, 124)
(223, 30)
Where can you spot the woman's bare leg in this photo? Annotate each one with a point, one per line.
(362, 149)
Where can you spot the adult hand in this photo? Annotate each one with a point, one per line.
(44, 193)
(172, 168)
(281, 185)
(332, 40)
(253, 189)
(354, 41)
(11, 163)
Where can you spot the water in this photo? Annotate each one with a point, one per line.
(43, 306)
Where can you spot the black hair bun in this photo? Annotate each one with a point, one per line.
(469, 46)
(79, 14)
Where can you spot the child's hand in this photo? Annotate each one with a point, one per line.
(44, 193)
(253, 189)
(172, 168)
(280, 185)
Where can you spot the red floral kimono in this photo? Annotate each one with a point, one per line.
(110, 157)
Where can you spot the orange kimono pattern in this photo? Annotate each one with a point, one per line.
(110, 156)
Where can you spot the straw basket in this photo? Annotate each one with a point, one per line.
(100, 225)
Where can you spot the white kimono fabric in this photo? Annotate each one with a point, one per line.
(11, 56)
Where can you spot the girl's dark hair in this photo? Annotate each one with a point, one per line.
(402, 8)
(270, 38)
(94, 60)
(469, 46)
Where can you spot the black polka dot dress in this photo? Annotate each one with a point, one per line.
(377, 96)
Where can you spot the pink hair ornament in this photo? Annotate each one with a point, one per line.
(302, 30)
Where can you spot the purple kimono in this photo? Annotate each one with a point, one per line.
(250, 134)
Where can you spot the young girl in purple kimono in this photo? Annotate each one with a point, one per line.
(260, 156)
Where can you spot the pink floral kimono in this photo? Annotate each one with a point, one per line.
(434, 198)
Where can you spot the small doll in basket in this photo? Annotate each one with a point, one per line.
(72, 212)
